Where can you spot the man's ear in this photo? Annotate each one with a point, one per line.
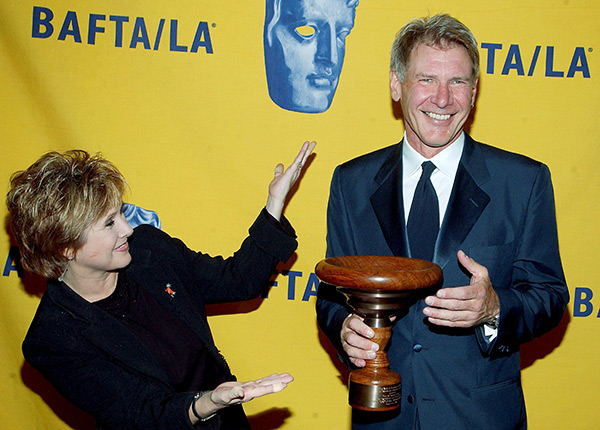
(395, 89)
(273, 15)
(474, 93)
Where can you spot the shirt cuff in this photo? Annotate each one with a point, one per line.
(489, 332)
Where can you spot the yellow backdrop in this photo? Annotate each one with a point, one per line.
(197, 137)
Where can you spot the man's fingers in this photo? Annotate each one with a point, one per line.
(356, 324)
(355, 341)
(455, 294)
(358, 362)
(471, 265)
(450, 318)
(452, 304)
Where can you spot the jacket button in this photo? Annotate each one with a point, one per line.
(410, 399)
(417, 348)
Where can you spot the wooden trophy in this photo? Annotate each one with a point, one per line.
(377, 288)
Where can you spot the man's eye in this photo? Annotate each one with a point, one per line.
(110, 223)
(305, 31)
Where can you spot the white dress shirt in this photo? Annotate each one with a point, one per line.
(442, 179)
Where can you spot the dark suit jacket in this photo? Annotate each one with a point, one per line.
(99, 365)
(501, 213)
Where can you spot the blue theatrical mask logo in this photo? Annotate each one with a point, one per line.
(136, 215)
(305, 44)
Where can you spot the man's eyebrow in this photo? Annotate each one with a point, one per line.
(432, 75)
(289, 17)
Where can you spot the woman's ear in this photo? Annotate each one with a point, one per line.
(69, 253)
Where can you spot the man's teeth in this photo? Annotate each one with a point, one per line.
(437, 116)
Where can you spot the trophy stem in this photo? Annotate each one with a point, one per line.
(381, 338)
(375, 387)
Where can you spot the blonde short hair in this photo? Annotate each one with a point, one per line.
(440, 31)
(55, 200)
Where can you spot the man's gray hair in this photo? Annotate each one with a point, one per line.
(440, 31)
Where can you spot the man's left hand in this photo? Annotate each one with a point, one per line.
(466, 306)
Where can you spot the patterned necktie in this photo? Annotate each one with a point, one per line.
(423, 221)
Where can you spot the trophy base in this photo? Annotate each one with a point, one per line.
(375, 396)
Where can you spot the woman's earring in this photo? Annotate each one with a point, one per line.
(60, 278)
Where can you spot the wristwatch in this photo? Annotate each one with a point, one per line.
(493, 324)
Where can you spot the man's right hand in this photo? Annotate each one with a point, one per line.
(355, 337)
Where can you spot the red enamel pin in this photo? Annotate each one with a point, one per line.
(170, 291)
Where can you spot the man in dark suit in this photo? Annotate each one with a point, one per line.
(493, 233)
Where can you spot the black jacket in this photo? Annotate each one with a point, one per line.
(100, 366)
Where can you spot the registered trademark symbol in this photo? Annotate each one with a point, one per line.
(590, 49)
(213, 25)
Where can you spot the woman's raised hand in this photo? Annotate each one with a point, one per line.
(284, 180)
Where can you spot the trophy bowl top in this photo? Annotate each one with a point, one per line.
(371, 272)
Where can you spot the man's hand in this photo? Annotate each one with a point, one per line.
(466, 306)
(355, 337)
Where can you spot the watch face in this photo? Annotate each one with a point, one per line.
(494, 323)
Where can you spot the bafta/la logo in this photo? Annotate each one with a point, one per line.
(516, 58)
(116, 30)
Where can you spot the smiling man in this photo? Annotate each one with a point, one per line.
(484, 215)
(305, 44)
(436, 94)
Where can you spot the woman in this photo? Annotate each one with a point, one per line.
(122, 330)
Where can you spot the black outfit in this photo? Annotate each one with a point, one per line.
(180, 352)
(107, 360)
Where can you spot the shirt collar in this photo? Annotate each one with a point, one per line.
(446, 161)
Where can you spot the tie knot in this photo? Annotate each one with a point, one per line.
(428, 168)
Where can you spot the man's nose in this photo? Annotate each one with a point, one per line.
(327, 50)
(442, 96)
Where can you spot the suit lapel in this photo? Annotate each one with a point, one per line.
(387, 202)
(467, 202)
